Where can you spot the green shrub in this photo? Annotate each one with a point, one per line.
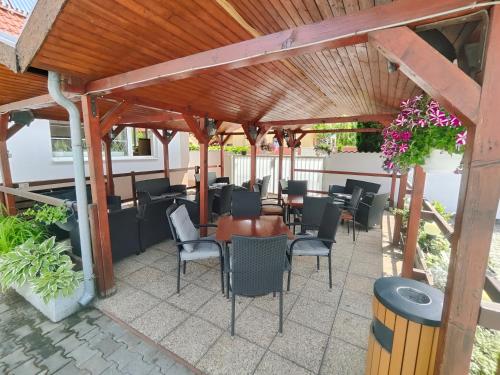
(441, 210)
(16, 230)
(486, 352)
(369, 142)
(44, 265)
(46, 214)
(237, 150)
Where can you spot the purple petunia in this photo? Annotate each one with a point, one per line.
(461, 139)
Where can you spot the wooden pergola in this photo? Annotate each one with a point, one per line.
(258, 67)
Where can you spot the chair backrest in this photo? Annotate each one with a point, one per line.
(257, 265)
(335, 189)
(297, 187)
(357, 193)
(211, 176)
(181, 226)
(155, 186)
(329, 222)
(245, 204)
(225, 198)
(264, 187)
(368, 187)
(313, 211)
(284, 184)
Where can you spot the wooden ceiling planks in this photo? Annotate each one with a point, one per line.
(14, 87)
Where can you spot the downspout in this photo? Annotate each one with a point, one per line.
(80, 185)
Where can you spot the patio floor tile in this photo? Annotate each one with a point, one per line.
(301, 345)
(338, 277)
(230, 356)
(166, 264)
(313, 314)
(150, 256)
(191, 298)
(357, 303)
(125, 267)
(159, 321)
(276, 365)
(297, 281)
(321, 292)
(360, 284)
(191, 339)
(338, 262)
(218, 310)
(271, 304)
(351, 328)
(128, 303)
(366, 269)
(363, 256)
(257, 326)
(153, 281)
(193, 271)
(210, 280)
(342, 358)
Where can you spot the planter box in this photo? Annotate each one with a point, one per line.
(56, 309)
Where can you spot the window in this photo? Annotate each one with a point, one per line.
(124, 145)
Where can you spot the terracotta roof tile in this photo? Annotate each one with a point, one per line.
(11, 22)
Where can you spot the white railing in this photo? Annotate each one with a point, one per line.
(268, 165)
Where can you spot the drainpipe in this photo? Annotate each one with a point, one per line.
(80, 185)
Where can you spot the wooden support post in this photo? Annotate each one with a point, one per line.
(203, 183)
(474, 222)
(253, 165)
(417, 196)
(96, 248)
(222, 141)
(92, 129)
(10, 200)
(292, 163)
(403, 179)
(110, 185)
(279, 137)
(393, 189)
(166, 161)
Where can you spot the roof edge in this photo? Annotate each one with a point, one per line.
(8, 56)
(36, 30)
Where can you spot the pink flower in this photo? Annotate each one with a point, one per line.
(461, 138)
(434, 105)
(396, 136)
(405, 136)
(405, 103)
(422, 123)
(400, 120)
(455, 122)
(403, 147)
(438, 117)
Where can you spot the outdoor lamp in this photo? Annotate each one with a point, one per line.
(211, 126)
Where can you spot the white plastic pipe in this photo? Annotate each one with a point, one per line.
(80, 185)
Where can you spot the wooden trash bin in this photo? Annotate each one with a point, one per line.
(405, 328)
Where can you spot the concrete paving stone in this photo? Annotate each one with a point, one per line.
(258, 326)
(109, 326)
(90, 314)
(128, 303)
(20, 332)
(271, 304)
(210, 280)
(313, 314)
(123, 356)
(357, 303)
(338, 277)
(107, 346)
(193, 271)
(321, 292)
(305, 269)
(28, 367)
(48, 326)
(301, 345)
(344, 251)
(138, 367)
(55, 362)
(191, 298)
(177, 369)
(14, 359)
(351, 328)
(159, 321)
(82, 353)
(362, 256)
(150, 256)
(231, 356)
(71, 369)
(7, 346)
(343, 358)
(218, 310)
(360, 284)
(276, 365)
(366, 269)
(82, 328)
(166, 264)
(191, 339)
(125, 267)
(297, 281)
(58, 334)
(153, 281)
(338, 263)
(129, 339)
(69, 344)
(161, 361)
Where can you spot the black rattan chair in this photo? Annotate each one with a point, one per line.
(222, 200)
(320, 245)
(245, 204)
(349, 209)
(312, 212)
(370, 210)
(297, 187)
(193, 206)
(190, 246)
(256, 268)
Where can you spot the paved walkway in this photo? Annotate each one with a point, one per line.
(85, 343)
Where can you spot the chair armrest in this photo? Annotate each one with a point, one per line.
(143, 196)
(310, 239)
(177, 188)
(201, 241)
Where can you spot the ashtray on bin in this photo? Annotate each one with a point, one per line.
(405, 327)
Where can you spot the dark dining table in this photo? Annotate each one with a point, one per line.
(262, 226)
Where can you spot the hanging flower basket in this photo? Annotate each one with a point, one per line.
(425, 134)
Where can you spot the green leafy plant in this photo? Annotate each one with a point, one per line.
(442, 210)
(486, 352)
(369, 142)
(237, 150)
(15, 230)
(47, 214)
(45, 265)
(323, 148)
(325, 141)
(405, 214)
(194, 147)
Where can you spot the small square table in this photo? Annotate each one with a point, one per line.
(262, 226)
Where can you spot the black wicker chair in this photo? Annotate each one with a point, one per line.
(370, 210)
(193, 206)
(222, 200)
(153, 226)
(312, 212)
(320, 245)
(190, 246)
(297, 187)
(349, 209)
(157, 188)
(256, 269)
(245, 204)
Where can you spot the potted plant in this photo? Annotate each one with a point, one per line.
(423, 134)
(43, 274)
(50, 215)
(15, 230)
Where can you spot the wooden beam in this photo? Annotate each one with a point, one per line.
(14, 129)
(10, 200)
(333, 120)
(474, 221)
(253, 166)
(116, 131)
(166, 161)
(114, 117)
(195, 128)
(398, 221)
(279, 137)
(248, 134)
(160, 126)
(261, 134)
(203, 191)
(417, 197)
(91, 124)
(430, 70)
(110, 185)
(37, 102)
(393, 189)
(157, 117)
(329, 34)
(326, 131)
